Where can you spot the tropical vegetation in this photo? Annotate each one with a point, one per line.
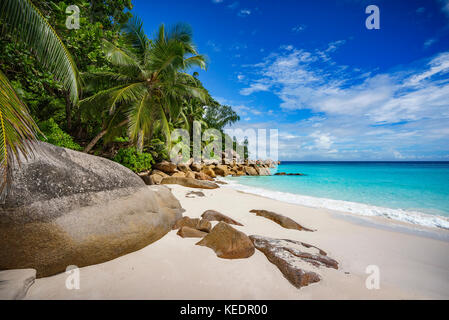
(104, 88)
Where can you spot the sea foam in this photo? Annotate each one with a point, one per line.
(413, 217)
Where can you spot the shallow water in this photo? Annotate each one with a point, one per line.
(415, 192)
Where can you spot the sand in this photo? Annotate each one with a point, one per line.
(413, 264)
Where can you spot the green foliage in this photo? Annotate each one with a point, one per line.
(55, 135)
(134, 160)
(136, 91)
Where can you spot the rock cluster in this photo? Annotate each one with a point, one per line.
(187, 172)
(226, 241)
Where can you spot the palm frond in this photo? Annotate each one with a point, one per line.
(140, 117)
(195, 61)
(17, 131)
(97, 81)
(110, 98)
(120, 57)
(27, 23)
(135, 35)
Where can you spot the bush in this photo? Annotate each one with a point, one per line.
(134, 160)
(55, 135)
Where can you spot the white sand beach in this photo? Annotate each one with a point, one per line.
(412, 266)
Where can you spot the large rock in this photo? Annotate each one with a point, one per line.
(212, 215)
(191, 175)
(70, 208)
(263, 171)
(221, 170)
(167, 167)
(14, 284)
(202, 176)
(299, 262)
(195, 166)
(251, 171)
(179, 174)
(283, 221)
(183, 167)
(156, 179)
(190, 183)
(208, 170)
(228, 243)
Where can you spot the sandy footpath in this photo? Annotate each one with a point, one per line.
(411, 265)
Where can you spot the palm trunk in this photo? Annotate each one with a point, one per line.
(101, 135)
(68, 111)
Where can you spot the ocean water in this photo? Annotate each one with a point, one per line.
(414, 192)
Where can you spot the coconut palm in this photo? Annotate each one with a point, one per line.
(148, 84)
(26, 23)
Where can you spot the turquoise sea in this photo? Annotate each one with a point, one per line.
(415, 192)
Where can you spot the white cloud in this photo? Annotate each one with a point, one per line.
(244, 12)
(299, 28)
(356, 114)
(322, 140)
(429, 42)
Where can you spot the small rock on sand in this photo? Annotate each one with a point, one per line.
(298, 261)
(281, 220)
(213, 215)
(228, 243)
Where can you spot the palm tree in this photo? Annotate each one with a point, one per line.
(147, 88)
(18, 130)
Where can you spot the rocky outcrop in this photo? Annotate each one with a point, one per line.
(187, 232)
(299, 262)
(208, 169)
(228, 243)
(283, 221)
(288, 174)
(190, 183)
(14, 284)
(70, 208)
(212, 215)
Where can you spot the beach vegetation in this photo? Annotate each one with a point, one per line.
(104, 88)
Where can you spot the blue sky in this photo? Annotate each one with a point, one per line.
(311, 69)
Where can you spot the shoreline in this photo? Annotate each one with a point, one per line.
(411, 266)
(414, 219)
